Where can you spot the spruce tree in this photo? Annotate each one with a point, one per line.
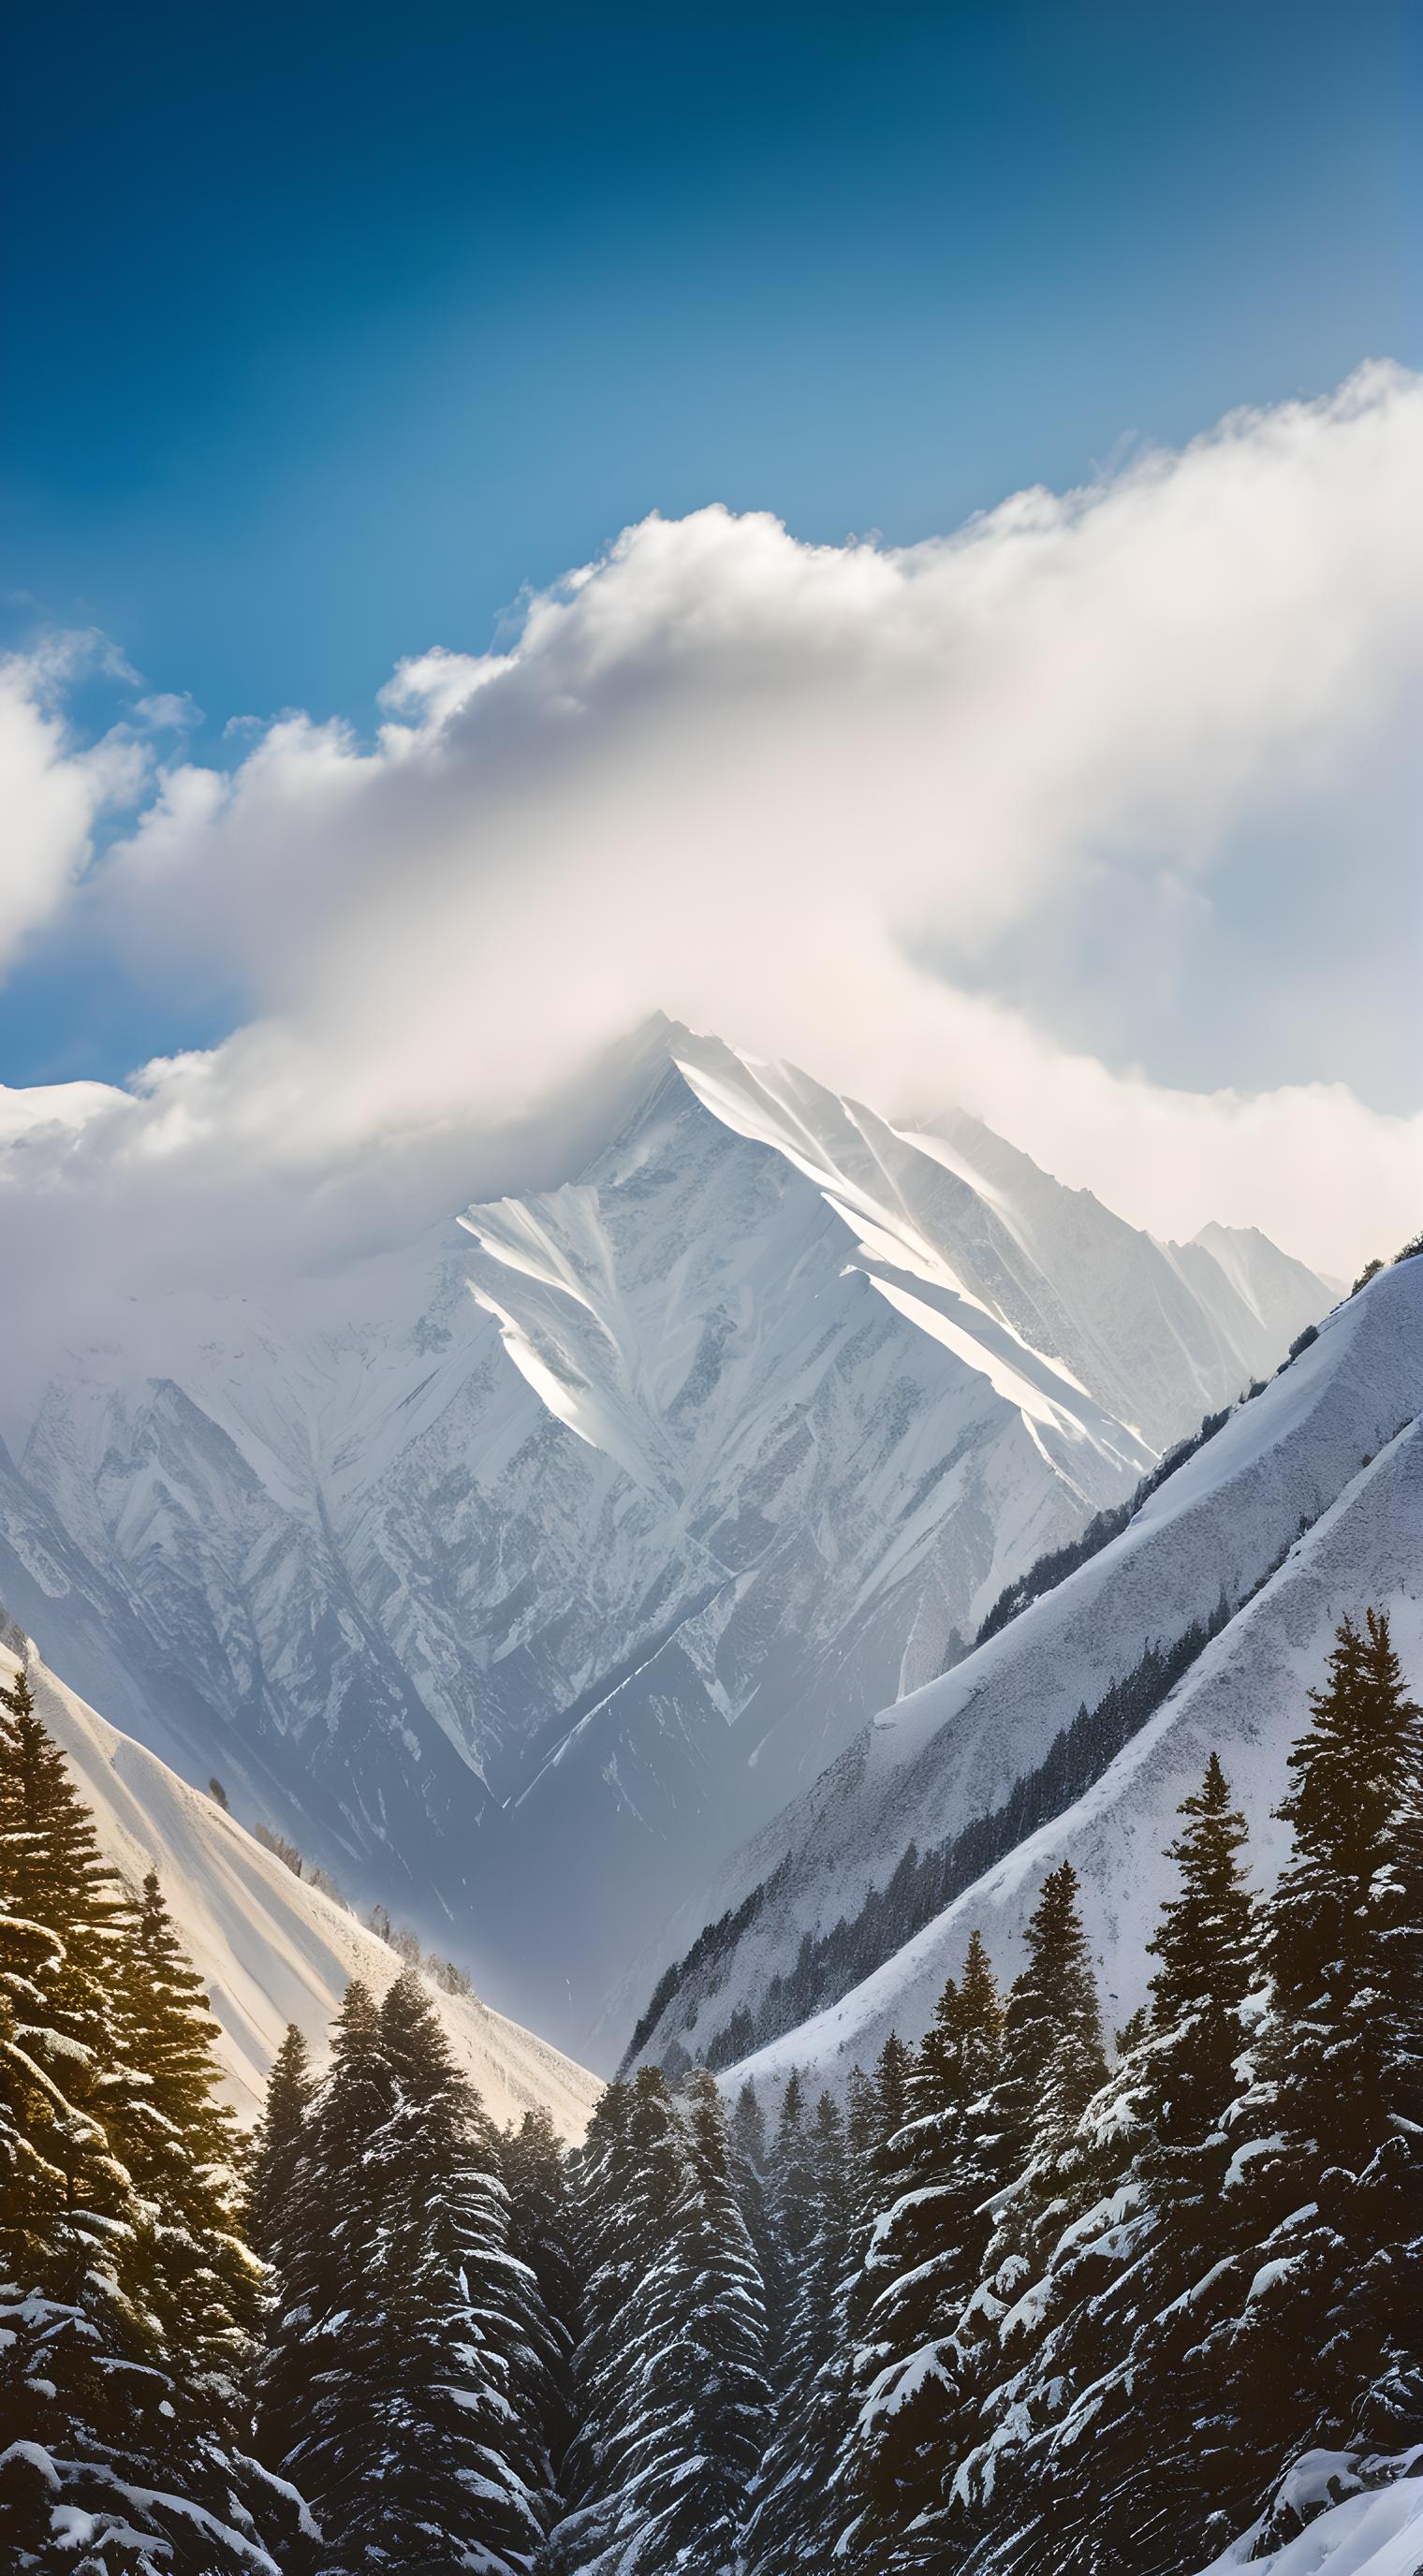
(1100, 2453)
(699, 2395)
(929, 2246)
(84, 2369)
(312, 2377)
(751, 2173)
(409, 2344)
(1052, 2064)
(118, 2378)
(798, 2510)
(879, 2175)
(540, 2237)
(1323, 2351)
(181, 2145)
(630, 2180)
(277, 2144)
(791, 2209)
(607, 2269)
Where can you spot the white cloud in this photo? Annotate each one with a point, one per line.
(51, 791)
(809, 795)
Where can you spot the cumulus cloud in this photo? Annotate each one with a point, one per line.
(52, 789)
(814, 797)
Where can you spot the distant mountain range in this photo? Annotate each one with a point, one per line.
(524, 1609)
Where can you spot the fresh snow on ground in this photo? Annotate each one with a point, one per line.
(270, 1949)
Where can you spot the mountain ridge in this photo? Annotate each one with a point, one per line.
(578, 1578)
(1335, 1437)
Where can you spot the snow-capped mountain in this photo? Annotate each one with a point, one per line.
(569, 1583)
(270, 1948)
(1306, 1506)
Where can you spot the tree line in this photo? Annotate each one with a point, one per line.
(1019, 2302)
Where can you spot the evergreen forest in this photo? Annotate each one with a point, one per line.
(1029, 2297)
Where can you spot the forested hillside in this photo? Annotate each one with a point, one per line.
(1030, 2295)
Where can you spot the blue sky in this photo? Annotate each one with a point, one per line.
(330, 326)
(334, 332)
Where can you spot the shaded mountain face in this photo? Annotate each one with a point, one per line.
(1306, 1507)
(521, 1575)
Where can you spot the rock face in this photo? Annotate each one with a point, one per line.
(1308, 1505)
(548, 1595)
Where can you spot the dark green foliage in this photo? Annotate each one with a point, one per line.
(1326, 2183)
(701, 2398)
(1005, 2313)
(126, 2296)
(274, 2150)
(928, 2247)
(407, 2384)
(541, 2237)
(627, 2183)
(750, 2174)
(792, 2196)
(799, 2507)
(1096, 2450)
(180, 2145)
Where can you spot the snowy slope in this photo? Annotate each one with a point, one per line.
(270, 1949)
(569, 1584)
(1368, 2535)
(1324, 1470)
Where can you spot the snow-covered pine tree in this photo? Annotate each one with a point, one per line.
(751, 2174)
(535, 2171)
(1099, 2455)
(606, 2270)
(314, 2371)
(1053, 2062)
(791, 2199)
(414, 2421)
(699, 2397)
(82, 2371)
(104, 2446)
(797, 2511)
(878, 2113)
(276, 2144)
(462, 2350)
(181, 2145)
(628, 2180)
(1322, 2353)
(928, 2248)
(1053, 2059)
